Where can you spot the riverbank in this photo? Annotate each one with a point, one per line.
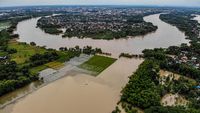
(76, 88)
(69, 67)
(165, 36)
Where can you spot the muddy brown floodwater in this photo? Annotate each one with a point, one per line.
(79, 93)
(83, 93)
(165, 36)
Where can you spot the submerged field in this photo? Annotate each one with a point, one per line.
(97, 63)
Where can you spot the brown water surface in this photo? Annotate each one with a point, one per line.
(82, 93)
(79, 93)
(165, 36)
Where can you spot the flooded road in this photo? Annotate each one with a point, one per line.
(82, 93)
(165, 36)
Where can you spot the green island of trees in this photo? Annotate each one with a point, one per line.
(52, 30)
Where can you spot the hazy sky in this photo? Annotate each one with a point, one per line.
(101, 2)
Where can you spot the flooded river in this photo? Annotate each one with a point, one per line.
(82, 93)
(165, 36)
(79, 93)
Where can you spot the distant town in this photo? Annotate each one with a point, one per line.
(125, 59)
(99, 23)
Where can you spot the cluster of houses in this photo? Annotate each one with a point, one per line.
(96, 20)
(184, 58)
(3, 57)
(3, 60)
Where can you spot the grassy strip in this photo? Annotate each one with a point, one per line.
(97, 63)
(54, 65)
(36, 70)
(25, 51)
(2, 53)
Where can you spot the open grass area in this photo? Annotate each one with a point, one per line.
(164, 74)
(24, 51)
(4, 25)
(54, 65)
(3, 53)
(97, 63)
(36, 70)
(65, 56)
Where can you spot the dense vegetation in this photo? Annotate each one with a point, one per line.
(52, 30)
(144, 89)
(40, 59)
(183, 60)
(11, 76)
(86, 50)
(182, 86)
(127, 55)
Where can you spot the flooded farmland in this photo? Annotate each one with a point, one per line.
(79, 92)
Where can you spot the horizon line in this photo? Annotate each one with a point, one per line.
(167, 6)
